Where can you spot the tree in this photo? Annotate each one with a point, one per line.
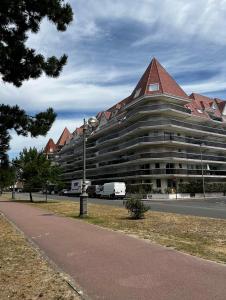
(7, 177)
(19, 62)
(36, 171)
(18, 18)
(17, 119)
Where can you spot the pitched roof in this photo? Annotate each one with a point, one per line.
(78, 131)
(221, 104)
(50, 147)
(120, 104)
(204, 106)
(65, 136)
(156, 74)
(106, 114)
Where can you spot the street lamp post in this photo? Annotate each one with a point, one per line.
(14, 181)
(90, 125)
(203, 179)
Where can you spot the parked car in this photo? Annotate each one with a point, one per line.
(113, 190)
(63, 192)
(93, 191)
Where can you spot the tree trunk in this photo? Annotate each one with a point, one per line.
(31, 198)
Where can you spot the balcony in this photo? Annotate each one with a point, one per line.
(164, 138)
(165, 123)
(117, 163)
(158, 172)
(157, 107)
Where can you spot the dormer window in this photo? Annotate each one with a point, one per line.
(153, 87)
(199, 111)
(137, 93)
(213, 106)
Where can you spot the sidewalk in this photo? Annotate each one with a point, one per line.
(111, 265)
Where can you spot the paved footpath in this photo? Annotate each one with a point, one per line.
(111, 265)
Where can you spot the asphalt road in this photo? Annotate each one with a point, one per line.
(213, 208)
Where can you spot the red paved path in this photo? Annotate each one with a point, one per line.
(110, 265)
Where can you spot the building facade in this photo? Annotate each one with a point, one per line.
(158, 135)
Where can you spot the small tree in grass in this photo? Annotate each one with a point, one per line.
(36, 171)
(136, 208)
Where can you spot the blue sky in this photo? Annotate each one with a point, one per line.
(110, 44)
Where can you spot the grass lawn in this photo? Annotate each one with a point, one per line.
(24, 274)
(203, 237)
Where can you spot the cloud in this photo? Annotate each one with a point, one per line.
(18, 142)
(109, 45)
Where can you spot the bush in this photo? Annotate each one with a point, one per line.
(197, 187)
(144, 188)
(136, 208)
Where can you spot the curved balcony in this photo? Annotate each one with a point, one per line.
(166, 123)
(157, 107)
(165, 172)
(164, 138)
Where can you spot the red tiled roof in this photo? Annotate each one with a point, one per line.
(99, 115)
(65, 136)
(120, 104)
(221, 104)
(203, 106)
(50, 147)
(107, 114)
(156, 74)
(78, 131)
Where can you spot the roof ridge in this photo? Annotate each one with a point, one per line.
(160, 81)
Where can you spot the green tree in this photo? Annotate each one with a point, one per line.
(19, 62)
(36, 171)
(18, 18)
(17, 119)
(7, 177)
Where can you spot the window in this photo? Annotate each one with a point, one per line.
(137, 93)
(157, 165)
(145, 134)
(147, 181)
(158, 183)
(146, 166)
(180, 166)
(153, 87)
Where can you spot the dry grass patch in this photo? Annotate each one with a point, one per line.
(203, 237)
(24, 274)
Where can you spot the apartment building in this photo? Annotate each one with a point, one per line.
(158, 135)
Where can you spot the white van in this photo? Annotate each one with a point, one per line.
(113, 190)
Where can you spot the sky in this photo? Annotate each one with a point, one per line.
(109, 45)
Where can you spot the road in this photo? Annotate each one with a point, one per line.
(212, 208)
